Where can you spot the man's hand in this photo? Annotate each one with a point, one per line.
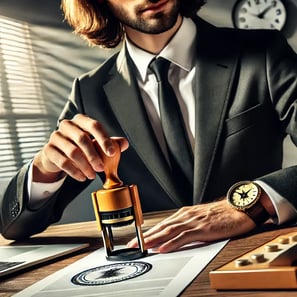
(73, 150)
(204, 222)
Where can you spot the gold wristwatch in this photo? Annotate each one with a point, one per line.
(246, 196)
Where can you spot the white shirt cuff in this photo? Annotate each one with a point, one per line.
(284, 209)
(38, 192)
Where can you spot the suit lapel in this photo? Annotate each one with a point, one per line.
(216, 66)
(124, 98)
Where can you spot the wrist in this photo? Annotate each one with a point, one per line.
(41, 175)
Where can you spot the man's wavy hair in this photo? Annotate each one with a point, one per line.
(93, 20)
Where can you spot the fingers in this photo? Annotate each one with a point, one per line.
(77, 146)
(67, 160)
(94, 128)
(204, 222)
(166, 235)
(183, 238)
(71, 149)
(122, 142)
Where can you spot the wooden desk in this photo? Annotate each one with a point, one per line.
(87, 232)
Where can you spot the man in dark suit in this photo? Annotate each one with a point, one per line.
(237, 91)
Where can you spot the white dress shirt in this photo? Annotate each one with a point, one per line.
(181, 52)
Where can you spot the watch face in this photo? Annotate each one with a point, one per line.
(259, 14)
(243, 195)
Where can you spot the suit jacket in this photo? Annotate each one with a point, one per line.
(246, 91)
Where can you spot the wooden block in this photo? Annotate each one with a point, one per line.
(270, 266)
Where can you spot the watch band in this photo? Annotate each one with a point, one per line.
(258, 213)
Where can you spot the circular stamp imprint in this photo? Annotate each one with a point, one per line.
(112, 273)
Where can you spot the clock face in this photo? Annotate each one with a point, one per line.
(244, 195)
(259, 14)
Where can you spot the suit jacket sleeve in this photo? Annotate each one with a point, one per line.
(281, 67)
(17, 219)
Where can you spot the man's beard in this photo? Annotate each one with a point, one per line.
(160, 23)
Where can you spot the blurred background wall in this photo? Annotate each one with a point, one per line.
(40, 57)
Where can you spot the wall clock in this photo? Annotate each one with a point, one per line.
(259, 14)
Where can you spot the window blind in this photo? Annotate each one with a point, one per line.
(24, 122)
(37, 66)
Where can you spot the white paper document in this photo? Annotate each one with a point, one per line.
(163, 275)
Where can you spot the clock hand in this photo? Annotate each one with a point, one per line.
(248, 191)
(263, 13)
(243, 194)
(253, 17)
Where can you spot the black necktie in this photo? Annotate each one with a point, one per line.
(180, 152)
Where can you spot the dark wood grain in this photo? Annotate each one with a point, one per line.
(87, 232)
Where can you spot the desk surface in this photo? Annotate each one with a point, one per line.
(87, 232)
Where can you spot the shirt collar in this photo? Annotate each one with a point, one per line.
(179, 50)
